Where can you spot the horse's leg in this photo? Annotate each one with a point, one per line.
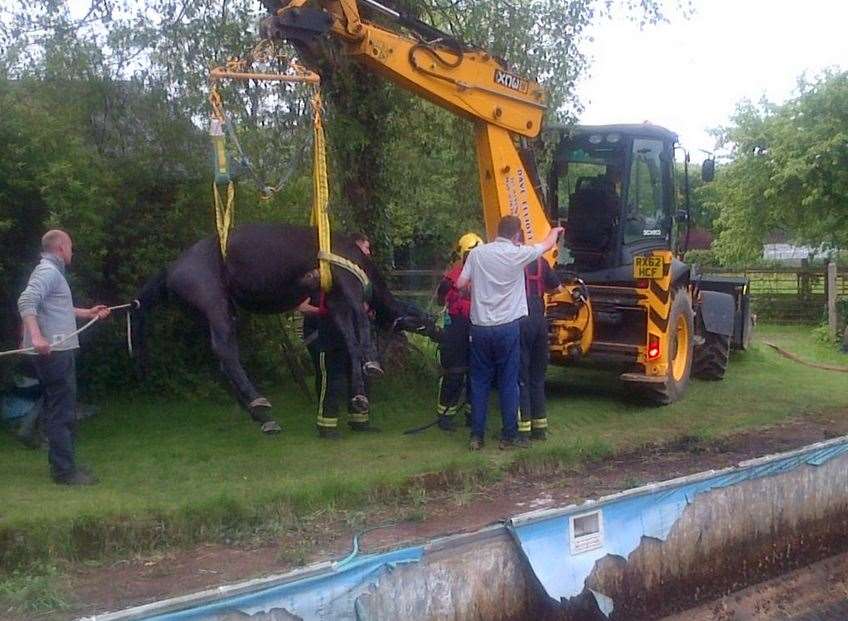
(368, 345)
(368, 356)
(196, 279)
(225, 347)
(342, 315)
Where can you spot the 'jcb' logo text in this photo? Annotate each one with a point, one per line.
(513, 82)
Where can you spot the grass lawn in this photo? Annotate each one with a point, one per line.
(174, 473)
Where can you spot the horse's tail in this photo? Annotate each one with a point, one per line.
(153, 292)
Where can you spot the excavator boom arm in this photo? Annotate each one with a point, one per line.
(471, 83)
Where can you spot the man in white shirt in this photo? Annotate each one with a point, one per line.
(495, 273)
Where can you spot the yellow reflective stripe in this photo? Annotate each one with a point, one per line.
(540, 423)
(358, 418)
(524, 425)
(327, 422)
(323, 386)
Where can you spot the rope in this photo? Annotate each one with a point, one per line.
(789, 355)
(30, 350)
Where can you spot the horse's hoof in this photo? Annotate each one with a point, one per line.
(359, 404)
(258, 409)
(373, 369)
(271, 427)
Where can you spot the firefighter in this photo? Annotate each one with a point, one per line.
(332, 362)
(540, 278)
(453, 352)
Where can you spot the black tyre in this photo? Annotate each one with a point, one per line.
(681, 322)
(711, 358)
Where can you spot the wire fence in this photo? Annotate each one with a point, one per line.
(791, 295)
(778, 295)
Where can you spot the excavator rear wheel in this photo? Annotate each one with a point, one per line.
(681, 322)
(712, 357)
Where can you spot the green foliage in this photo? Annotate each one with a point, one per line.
(703, 258)
(37, 590)
(788, 172)
(822, 335)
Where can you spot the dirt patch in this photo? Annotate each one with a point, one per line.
(443, 507)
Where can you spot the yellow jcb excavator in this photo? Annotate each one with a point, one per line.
(627, 300)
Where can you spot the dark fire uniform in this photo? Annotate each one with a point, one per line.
(454, 350)
(331, 360)
(539, 279)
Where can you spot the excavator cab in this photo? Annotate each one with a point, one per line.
(614, 187)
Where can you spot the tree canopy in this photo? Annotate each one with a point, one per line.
(788, 171)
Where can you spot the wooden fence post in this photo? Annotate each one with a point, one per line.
(831, 300)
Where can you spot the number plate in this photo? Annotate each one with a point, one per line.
(647, 267)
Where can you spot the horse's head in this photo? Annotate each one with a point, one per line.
(419, 322)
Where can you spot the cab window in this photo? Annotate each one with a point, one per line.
(644, 216)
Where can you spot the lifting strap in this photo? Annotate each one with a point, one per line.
(320, 212)
(325, 258)
(224, 211)
(320, 196)
(224, 214)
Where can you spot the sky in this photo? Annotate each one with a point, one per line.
(689, 74)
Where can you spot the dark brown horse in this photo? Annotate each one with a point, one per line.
(272, 268)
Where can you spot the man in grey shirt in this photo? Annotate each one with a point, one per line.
(495, 273)
(49, 317)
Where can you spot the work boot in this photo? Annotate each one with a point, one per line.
(476, 443)
(363, 427)
(507, 444)
(329, 433)
(538, 434)
(77, 477)
(447, 423)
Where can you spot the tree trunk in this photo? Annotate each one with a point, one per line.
(359, 129)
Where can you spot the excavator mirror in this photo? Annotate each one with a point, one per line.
(708, 170)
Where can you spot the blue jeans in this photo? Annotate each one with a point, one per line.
(495, 358)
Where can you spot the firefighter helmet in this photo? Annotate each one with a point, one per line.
(467, 242)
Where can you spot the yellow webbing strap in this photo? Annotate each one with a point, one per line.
(224, 214)
(320, 213)
(320, 195)
(326, 258)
